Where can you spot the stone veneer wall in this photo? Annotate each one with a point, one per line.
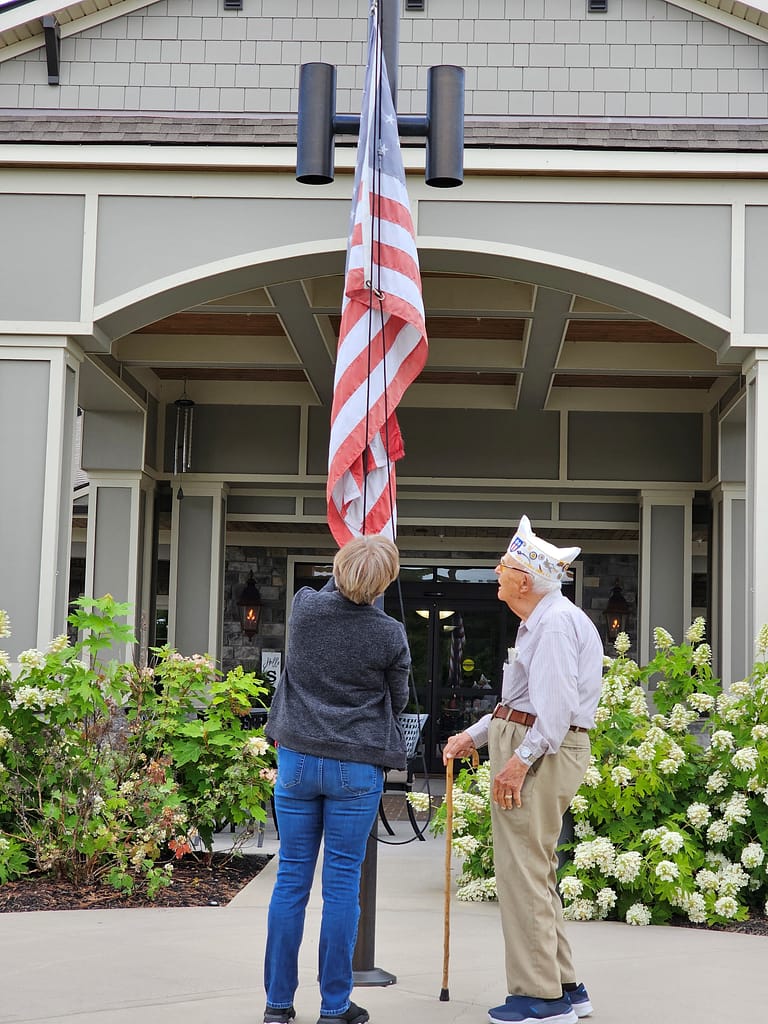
(269, 567)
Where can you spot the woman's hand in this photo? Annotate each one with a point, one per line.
(460, 745)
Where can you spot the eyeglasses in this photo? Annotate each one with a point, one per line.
(514, 568)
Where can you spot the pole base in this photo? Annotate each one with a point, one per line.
(375, 976)
(444, 997)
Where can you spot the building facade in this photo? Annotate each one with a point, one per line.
(594, 291)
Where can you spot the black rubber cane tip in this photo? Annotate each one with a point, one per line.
(444, 997)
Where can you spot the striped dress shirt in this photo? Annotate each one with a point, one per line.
(556, 674)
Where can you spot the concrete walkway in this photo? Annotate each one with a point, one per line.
(203, 965)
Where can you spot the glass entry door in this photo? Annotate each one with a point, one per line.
(458, 635)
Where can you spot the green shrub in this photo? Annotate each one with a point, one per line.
(105, 769)
(672, 818)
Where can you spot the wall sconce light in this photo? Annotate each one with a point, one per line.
(249, 607)
(616, 612)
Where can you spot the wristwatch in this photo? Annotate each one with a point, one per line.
(525, 754)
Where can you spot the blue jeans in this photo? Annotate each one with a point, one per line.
(338, 800)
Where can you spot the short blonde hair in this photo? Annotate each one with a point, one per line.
(364, 568)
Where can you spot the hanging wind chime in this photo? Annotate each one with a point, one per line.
(182, 448)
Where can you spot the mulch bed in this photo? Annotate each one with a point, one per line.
(197, 882)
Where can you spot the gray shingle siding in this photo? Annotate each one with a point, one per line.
(644, 58)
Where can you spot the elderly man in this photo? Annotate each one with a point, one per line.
(539, 751)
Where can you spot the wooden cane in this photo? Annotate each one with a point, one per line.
(444, 996)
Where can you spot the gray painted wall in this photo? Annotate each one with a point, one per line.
(111, 571)
(239, 439)
(694, 259)
(756, 269)
(143, 239)
(23, 386)
(193, 590)
(741, 642)
(112, 440)
(667, 563)
(634, 446)
(539, 57)
(42, 279)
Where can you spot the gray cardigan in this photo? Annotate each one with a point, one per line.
(345, 680)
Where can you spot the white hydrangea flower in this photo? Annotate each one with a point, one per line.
(662, 639)
(753, 855)
(478, 890)
(732, 878)
(465, 846)
(31, 659)
(582, 829)
(718, 831)
(726, 906)
(741, 688)
(5, 661)
(638, 914)
(580, 910)
(256, 746)
(597, 853)
(667, 870)
(579, 804)
(602, 714)
(745, 759)
(696, 631)
(5, 624)
(571, 887)
(637, 702)
(646, 751)
(702, 656)
(737, 809)
(701, 701)
(762, 640)
(606, 899)
(680, 717)
(707, 880)
(669, 766)
(696, 908)
(698, 814)
(622, 643)
(419, 801)
(650, 834)
(671, 842)
(627, 866)
(716, 782)
(760, 731)
(621, 775)
(5, 736)
(59, 643)
(722, 740)
(592, 777)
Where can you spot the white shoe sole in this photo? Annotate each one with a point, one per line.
(583, 1009)
(559, 1018)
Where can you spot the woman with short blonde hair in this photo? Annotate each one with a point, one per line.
(365, 567)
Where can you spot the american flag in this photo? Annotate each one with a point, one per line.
(383, 340)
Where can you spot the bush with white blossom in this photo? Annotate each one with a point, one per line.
(107, 770)
(678, 786)
(671, 820)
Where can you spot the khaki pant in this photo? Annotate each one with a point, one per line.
(538, 954)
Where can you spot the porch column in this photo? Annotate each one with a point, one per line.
(38, 406)
(730, 629)
(665, 566)
(198, 544)
(117, 538)
(757, 498)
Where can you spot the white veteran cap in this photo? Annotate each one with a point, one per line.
(538, 556)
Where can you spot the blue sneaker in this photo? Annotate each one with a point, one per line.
(579, 998)
(531, 1010)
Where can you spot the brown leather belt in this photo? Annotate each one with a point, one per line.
(512, 715)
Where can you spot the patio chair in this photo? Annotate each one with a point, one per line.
(402, 781)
